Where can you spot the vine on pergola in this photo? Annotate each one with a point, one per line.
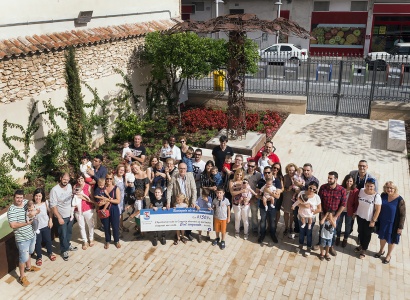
(237, 25)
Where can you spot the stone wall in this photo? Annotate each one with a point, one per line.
(259, 102)
(27, 76)
(382, 110)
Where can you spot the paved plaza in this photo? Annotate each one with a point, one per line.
(246, 269)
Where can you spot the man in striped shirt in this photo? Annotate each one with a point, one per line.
(24, 235)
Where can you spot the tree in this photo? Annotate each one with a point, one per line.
(76, 117)
(175, 57)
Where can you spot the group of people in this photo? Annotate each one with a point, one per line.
(180, 178)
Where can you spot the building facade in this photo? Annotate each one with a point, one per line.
(340, 26)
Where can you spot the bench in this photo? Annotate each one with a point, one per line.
(396, 136)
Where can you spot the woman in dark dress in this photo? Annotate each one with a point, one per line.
(391, 220)
(277, 173)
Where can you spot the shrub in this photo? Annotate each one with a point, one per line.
(126, 128)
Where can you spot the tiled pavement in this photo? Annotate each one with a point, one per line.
(245, 269)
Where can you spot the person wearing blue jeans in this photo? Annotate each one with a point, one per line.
(348, 220)
(60, 203)
(65, 232)
(270, 216)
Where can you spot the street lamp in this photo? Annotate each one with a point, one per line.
(277, 33)
(216, 14)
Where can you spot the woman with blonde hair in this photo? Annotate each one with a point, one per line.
(141, 180)
(391, 220)
(237, 188)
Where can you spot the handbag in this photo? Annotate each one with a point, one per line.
(104, 213)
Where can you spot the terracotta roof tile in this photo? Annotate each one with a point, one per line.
(60, 40)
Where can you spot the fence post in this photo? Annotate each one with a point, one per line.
(339, 87)
(372, 87)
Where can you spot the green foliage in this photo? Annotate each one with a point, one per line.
(123, 106)
(26, 138)
(125, 129)
(8, 183)
(98, 120)
(76, 120)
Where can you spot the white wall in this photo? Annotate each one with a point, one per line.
(20, 11)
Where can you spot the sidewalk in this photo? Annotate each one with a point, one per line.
(245, 269)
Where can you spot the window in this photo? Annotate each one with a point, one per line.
(199, 6)
(272, 49)
(236, 11)
(358, 6)
(321, 5)
(285, 48)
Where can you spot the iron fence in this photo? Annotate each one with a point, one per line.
(333, 84)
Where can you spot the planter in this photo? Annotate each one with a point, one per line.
(8, 249)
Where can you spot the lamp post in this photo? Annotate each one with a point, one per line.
(277, 33)
(217, 14)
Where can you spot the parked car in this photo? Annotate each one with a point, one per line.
(399, 54)
(282, 52)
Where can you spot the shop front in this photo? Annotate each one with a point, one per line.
(338, 33)
(391, 25)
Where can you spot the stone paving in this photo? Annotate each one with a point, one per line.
(245, 269)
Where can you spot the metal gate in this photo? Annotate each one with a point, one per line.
(339, 88)
(347, 86)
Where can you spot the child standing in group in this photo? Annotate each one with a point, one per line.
(222, 216)
(263, 161)
(266, 191)
(31, 215)
(305, 213)
(297, 182)
(216, 177)
(326, 235)
(187, 159)
(139, 198)
(204, 202)
(181, 201)
(158, 203)
(85, 166)
(166, 151)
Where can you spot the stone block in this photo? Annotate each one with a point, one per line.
(396, 137)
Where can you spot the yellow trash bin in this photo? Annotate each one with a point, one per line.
(219, 80)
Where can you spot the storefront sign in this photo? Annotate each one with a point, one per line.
(338, 35)
(176, 219)
(382, 30)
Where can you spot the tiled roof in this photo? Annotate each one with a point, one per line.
(61, 40)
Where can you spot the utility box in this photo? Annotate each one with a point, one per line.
(394, 75)
(219, 80)
(291, 71)
(359, 74)
(324, 72)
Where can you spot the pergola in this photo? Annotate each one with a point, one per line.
(237, 25)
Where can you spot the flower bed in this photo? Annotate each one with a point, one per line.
(196, 119)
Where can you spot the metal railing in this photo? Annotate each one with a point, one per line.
(385, 78)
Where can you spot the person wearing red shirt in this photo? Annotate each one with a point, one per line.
(272, 156)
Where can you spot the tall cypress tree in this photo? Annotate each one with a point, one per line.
(76, 117)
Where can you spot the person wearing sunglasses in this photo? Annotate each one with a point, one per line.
(361, 175)
(308, 178)
(199, 166)
(253, 177)
(368, 204)
(313, 201)
(184, 145)
(268, 216)
(333, 197)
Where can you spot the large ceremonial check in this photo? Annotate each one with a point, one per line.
(176, 219)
